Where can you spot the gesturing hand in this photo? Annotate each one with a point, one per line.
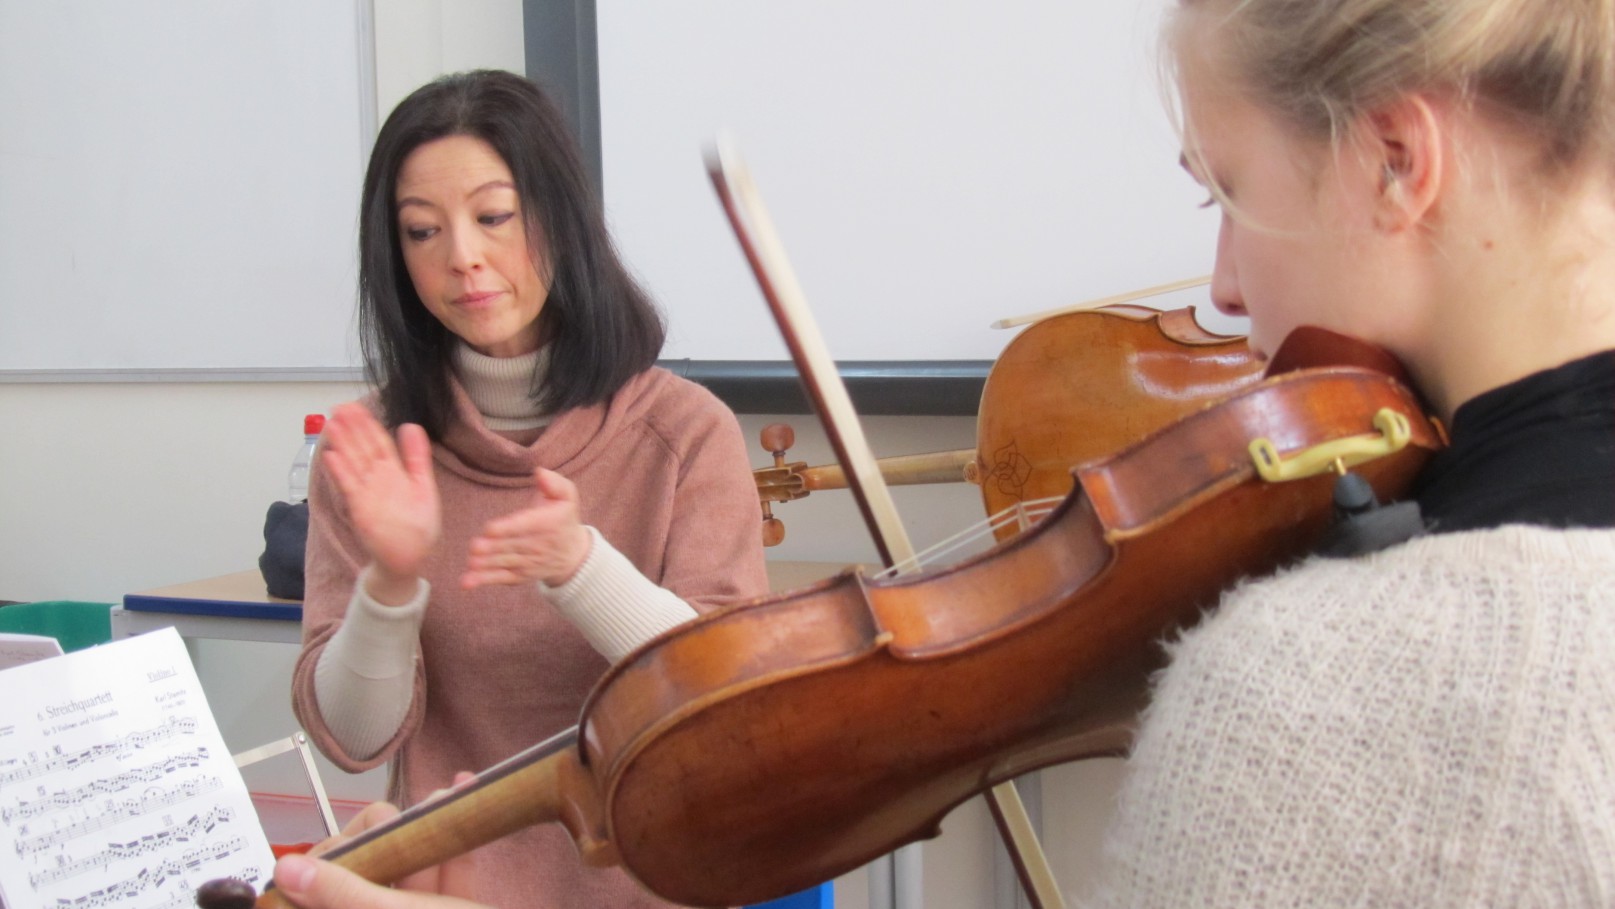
(392, 496)
(543, 542)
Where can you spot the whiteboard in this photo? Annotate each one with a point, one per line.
(179, 183)
(929, 167)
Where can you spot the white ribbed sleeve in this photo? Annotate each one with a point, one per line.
(612, 604)
(366, 676)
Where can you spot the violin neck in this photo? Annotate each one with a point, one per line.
(525, 790)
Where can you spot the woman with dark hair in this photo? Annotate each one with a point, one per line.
(601, 328)
(526, 497)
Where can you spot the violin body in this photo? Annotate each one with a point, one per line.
(858, 712)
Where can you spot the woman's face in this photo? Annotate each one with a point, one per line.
(465, 244)
(1292, 249)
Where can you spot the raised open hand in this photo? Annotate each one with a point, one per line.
(543, 542)
(391, 494)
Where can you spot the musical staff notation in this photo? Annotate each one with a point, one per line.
(198, 826)
(70, 798)
(134, 741)
(118, 813)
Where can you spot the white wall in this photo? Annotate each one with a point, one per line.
(419, 40)
(107, 489)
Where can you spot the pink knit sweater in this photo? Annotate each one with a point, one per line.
(662, 473)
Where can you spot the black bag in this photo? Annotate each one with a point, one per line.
(285, 537)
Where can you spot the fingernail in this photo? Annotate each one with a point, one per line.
(294, 873)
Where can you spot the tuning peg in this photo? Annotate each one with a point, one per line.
(777, 438)
(773, 528)
(773, 532)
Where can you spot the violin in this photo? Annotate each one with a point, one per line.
(860, 710)
(866, 707)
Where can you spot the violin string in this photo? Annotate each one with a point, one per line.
(967, 542)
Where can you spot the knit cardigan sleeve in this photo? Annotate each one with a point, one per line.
(1429, 726)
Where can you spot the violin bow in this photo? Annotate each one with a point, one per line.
(766, 255)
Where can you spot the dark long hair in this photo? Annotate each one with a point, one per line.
(602, 328)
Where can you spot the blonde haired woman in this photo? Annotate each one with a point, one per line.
(1434, 724)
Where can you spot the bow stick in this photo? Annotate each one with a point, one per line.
(766, 255)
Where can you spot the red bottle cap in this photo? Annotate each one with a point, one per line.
(313, 424)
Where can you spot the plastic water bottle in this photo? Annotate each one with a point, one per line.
(297, 477)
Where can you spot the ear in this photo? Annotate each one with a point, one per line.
(1402, 142)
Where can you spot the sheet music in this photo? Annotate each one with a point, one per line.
(17, 649)
(115, 786)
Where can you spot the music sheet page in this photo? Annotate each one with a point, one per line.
(17, 649)
(115, 785)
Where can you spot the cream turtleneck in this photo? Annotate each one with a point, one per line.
(501, 387)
